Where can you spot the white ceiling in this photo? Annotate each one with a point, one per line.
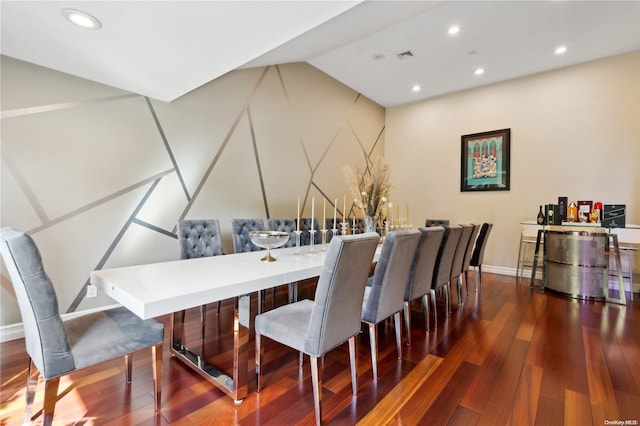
(164, 49)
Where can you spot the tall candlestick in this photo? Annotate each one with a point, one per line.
(406, 215)
(298, 223)
(324, 213)
(313, 207)
(335, 209)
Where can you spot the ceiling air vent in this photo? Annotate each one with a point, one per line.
(405, 55)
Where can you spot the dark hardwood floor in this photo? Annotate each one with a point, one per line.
(509, 355)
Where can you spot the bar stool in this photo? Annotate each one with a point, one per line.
(526, 250)
(628, 246)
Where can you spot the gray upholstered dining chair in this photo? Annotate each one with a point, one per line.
(384, 294)
(57, 347)
(332, 318)
(442, 271)
(458, 259)
(478, 253)
(240, 232)
(200, 238)
(466, 263)
(421, 274)
(284, 225)
(436, 222)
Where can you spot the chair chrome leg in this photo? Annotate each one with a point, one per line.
(50, 397)
(447, 298)
(127, 367)
(259, 358)
(425, 309)
(396, 320)
(32, 384)
(407, 320)
(435, 309)
(293, 292)
(354, 365)
(459, 282)
(373, 331)
(156, 355)
(316, 379)
(475, 276)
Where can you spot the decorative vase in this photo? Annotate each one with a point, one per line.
(370, 223)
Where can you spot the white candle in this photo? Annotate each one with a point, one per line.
(324, 213)
(313, 207)
(344, 208)
(298, 223)
(407, 215)
(335, 209)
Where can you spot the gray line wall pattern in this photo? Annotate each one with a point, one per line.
(99, 177)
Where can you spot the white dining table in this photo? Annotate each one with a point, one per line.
(171, 287)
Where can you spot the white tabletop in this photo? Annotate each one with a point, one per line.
(162, 288)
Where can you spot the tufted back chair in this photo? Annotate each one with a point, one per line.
(284, 225)
(436, 222)
(240, 231)
(199, 238)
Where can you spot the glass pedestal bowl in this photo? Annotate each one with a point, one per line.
(269, 240)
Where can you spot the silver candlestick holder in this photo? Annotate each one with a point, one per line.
(312, 240)
(298, 243)
(344, 227)
(324, 238)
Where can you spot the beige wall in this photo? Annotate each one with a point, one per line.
(574, 132)
(86, 169)
(99, 177)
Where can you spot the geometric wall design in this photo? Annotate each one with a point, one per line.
(99, 177)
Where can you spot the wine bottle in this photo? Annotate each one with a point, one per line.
(540, 219)
(572, 212)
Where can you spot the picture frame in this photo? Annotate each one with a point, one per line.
(485, 161)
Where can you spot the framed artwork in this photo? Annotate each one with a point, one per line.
(484, 161)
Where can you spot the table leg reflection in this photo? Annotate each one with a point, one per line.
(235, 383)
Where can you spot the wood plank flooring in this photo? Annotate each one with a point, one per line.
(509, 356)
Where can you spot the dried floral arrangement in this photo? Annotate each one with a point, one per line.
(370, 188)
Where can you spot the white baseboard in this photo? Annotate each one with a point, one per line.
(16, 331)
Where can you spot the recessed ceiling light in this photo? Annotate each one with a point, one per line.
(416, 88)
(560, 50)
(81, 19)
(479, 71)
(454, 29)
